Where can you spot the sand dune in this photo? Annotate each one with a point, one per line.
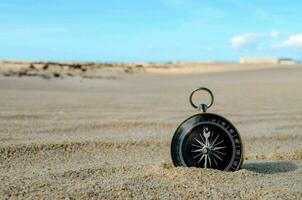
(109, 138)
(48, 70)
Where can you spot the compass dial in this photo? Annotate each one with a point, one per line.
(209, 141)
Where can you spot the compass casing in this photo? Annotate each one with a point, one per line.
(207, 140)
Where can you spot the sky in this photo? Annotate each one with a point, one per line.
(154, 30)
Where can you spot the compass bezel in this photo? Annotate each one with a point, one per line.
(186, 127)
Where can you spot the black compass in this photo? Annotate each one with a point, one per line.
(207, 140)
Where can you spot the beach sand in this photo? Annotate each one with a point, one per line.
(106, 134)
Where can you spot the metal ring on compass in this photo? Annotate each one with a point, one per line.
(207, 140)
(198, 89)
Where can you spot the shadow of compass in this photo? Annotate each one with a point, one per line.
(270, 167)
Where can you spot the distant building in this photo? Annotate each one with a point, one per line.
(266, 60)
(287, 62)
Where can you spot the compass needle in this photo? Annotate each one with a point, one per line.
(215, 161)
(199, 142)
(197, 150)
(206, 161)
(197, 155)
(209, 160)
(196, 146)
(213, 143)
(210, 138)
(218, 143)
(217, 156)
(201, 158)
(217, 148)
(202, 138)
(220, 152)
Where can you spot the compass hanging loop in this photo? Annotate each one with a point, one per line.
(204, 107)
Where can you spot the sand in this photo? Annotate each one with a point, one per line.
(80, 137)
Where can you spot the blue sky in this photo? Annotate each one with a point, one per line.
(155, 30)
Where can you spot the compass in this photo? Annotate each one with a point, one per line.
(207, 140)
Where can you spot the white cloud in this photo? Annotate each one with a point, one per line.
(252, 40)
(245, 40)
(293, 41)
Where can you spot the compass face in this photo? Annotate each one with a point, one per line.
(209, 141)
